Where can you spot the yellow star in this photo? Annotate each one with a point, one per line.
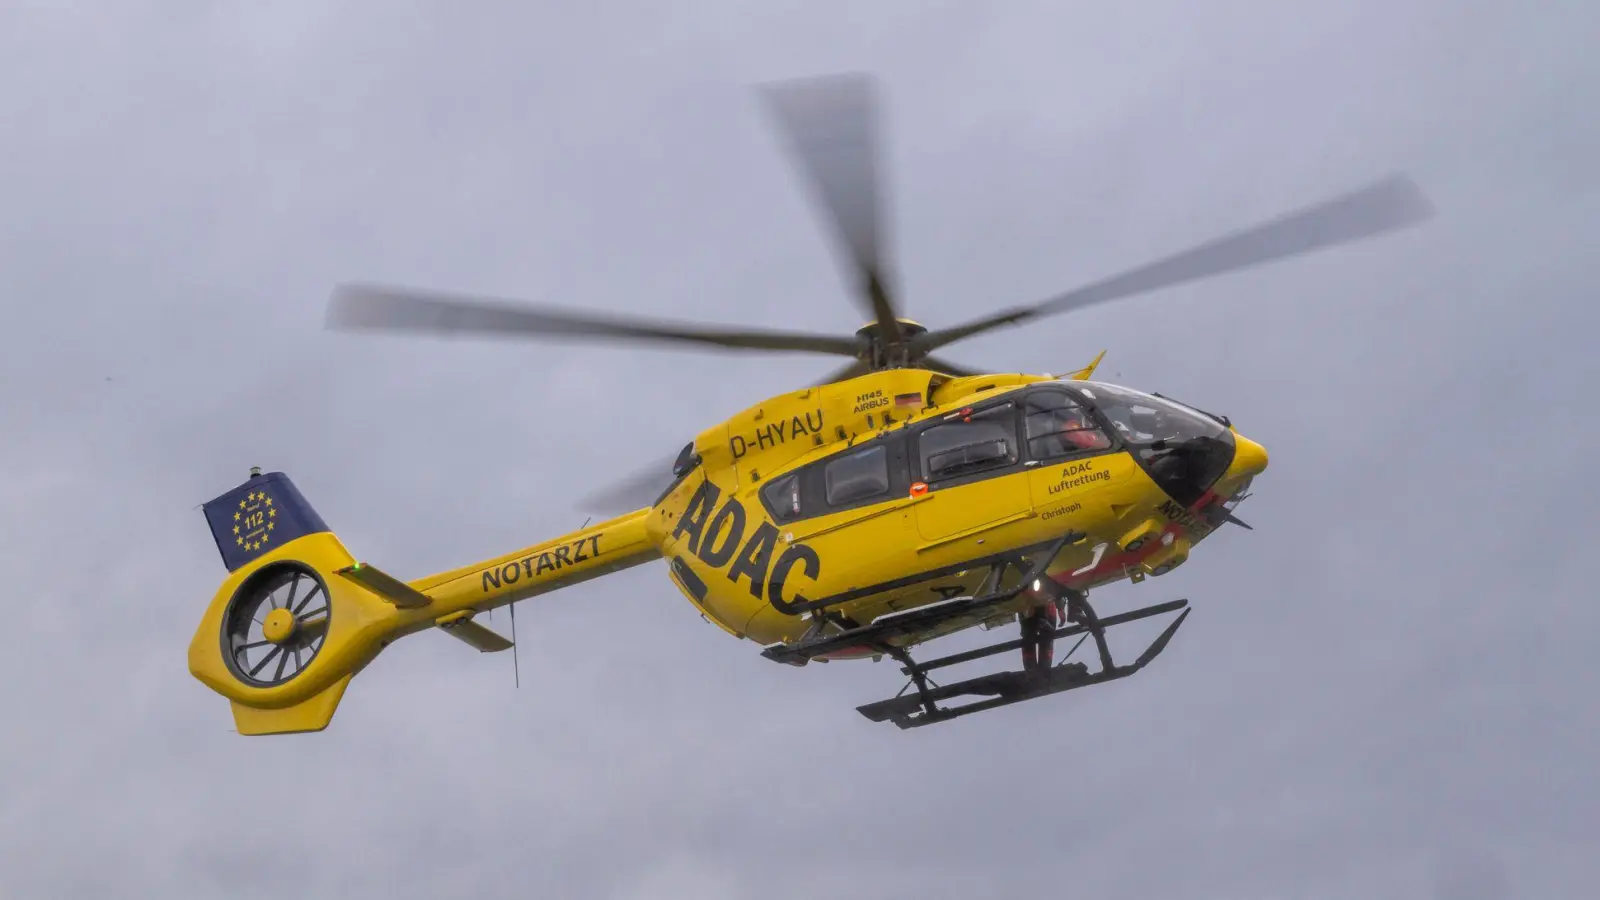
(235, 529)
(272, 514)
(256, 546)
(271, 525)
(266, 498)
(241, 504)
(236, 517)
(239, 541)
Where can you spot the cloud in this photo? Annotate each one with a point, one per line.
(1380, 692)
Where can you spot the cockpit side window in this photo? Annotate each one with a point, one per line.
(985, 440)
(1056, 426)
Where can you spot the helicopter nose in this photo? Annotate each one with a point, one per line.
(1249, 459)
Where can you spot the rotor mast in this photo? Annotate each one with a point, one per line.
(897, 351)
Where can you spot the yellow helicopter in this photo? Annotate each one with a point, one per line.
(900, 500)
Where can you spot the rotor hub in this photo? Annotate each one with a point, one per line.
(279, 626)
(276, 624)
(908, 330)
(883, 351)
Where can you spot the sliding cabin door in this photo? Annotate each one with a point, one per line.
(972, 466)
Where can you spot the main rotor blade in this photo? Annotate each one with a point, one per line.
(379, 308)
(1386, 205)
(845, 373)
(829, 125)
(636, 491)
(948, 368)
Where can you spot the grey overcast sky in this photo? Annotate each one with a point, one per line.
(1385, 691)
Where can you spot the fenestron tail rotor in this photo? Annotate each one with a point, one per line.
(275, 625)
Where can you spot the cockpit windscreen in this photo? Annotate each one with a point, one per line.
(1185, 451)
(1143, 419)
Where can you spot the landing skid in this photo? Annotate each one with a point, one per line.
(1006, 688)
(831, 634)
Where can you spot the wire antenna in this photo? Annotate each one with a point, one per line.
(516, 670)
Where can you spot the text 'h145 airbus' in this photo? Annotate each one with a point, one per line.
(900, 500)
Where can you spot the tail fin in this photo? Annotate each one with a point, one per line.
(1087, 372)
(298, 616)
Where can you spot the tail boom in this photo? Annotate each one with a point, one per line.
(350, 611)
(588, 553)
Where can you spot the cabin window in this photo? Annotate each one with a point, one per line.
(982, 441)
(1056, 426)
(867, 474)
(782, 496)
(857, 476)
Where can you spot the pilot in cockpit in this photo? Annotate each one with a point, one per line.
(1078, 433)
(1138, 424)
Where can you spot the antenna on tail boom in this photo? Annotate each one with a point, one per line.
(516, 671)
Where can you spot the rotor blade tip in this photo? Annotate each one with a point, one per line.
(1408, 203)
(348, 307)
(848, 79)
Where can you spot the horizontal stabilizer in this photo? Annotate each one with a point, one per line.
(386, 586)
(460, 625)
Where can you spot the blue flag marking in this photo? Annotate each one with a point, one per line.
(258, 517)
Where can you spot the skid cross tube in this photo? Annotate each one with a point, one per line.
(1068, 631)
